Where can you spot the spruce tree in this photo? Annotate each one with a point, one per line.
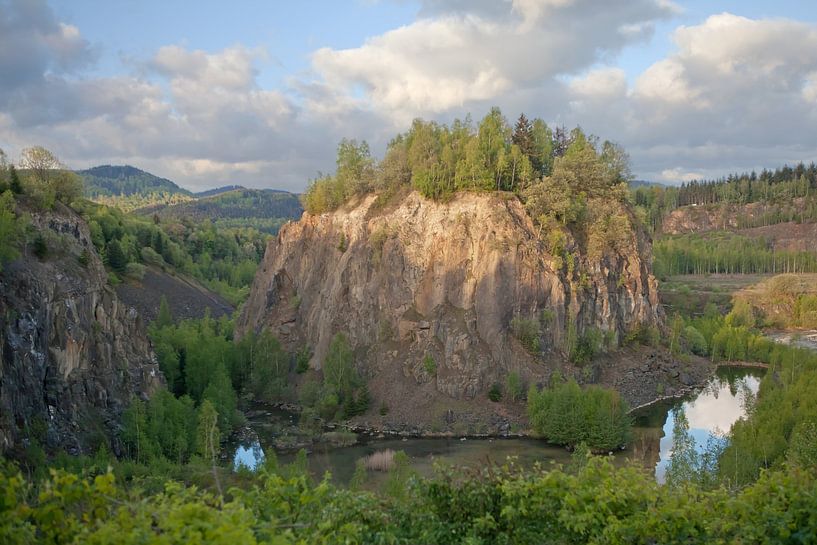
(116, 258)
(14, 181)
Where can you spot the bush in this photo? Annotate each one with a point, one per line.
(151, 257)
(429, 365)
(527, 332)
(567, 414)
(587, 346)
(695, 341)
(135, 271)
(495, 393)
(514, 386)
(40, 246)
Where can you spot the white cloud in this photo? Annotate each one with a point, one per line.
(459, 58)
(677, 174)
(601, 83)
(735, 93)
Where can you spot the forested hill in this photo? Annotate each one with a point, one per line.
(217, 191)
(124, 181)
(263, 209)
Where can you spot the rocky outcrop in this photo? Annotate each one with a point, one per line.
(72, 355)
(445, 280)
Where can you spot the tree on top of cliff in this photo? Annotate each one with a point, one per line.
(439, 160)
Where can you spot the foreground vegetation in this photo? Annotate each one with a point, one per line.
(596, 504)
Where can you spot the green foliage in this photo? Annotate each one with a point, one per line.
(587, 346)
(302, 360)
(429, 365)
(115, 257)
(527, 331)
(11, 229)
(40, 246)
(164, 427)
(514, 386)
(224, 260)
(683, 463)
(727, 253)
(695, 341)
(495, 393)
(567, 414)
(164, 318)
(598, 503)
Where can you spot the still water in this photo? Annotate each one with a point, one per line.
(710, 412)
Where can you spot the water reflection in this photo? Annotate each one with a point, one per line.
(711, 413)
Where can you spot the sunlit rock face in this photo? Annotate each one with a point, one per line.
(418, 277)
(72, 356)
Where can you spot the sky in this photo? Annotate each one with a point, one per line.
(259, 93)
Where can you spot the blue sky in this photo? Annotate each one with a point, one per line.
(259, 93)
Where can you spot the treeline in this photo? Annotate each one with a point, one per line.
(438, 160)
(597, 504)
(779, 187)
(725, 252)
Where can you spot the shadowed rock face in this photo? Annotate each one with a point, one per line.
(72, 355)
(444, 279)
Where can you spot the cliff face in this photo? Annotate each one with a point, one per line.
(445, 280)
(72, 354)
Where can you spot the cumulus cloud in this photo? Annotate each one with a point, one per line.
(460, 57)
(734, 94)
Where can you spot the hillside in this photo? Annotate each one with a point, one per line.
(125, 181)
(186, 298)
(72, 355)
(263, 209)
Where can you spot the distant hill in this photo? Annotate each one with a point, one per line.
(125, 181)
(263, 209)
(217, 191)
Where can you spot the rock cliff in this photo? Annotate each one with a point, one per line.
(71, 354)
(447, 280)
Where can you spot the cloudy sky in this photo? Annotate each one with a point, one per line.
(259, 92)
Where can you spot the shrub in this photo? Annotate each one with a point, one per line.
(151, 257)
(695, 341)
(429, 365)
(514, 386)
(495, 393)
(135, 271)
(40, 246)
(527, 332)
(587, 346)
(567, 414)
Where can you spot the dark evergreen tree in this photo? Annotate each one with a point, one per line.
(14, 181)
(115, 256)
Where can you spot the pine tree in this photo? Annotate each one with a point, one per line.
(116, 257)
(523, 136)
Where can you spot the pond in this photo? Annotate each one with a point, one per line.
(710, 412)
